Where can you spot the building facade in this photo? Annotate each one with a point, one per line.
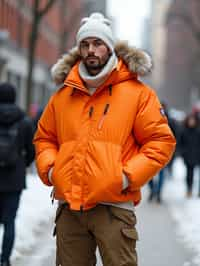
(56, 35)
(159, 11)
(181, 85)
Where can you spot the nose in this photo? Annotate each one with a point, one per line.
(91, 48)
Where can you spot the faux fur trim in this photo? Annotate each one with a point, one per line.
(137, 60)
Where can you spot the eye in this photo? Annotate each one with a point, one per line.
(84, 45)
(98, 43)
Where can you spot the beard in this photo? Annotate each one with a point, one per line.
(93, 63)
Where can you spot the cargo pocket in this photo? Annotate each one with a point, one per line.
(130, 233)
(131, 236)
(125, 216)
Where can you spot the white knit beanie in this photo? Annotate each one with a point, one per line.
(96, 25)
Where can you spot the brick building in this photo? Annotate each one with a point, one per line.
(56, 35)
(159, 10)
(181, 86)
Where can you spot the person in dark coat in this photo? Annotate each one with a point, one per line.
(156, 184)
(190, 149)
(12, 179)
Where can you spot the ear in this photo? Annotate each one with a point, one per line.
(79, 50)
(109, 51)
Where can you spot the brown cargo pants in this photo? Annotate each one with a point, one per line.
(110, 228)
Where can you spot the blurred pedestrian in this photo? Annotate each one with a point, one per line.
(156, 184)
(16, 153)
(196, 111)
(33, 110)
(102, 136)
(190, 149)
(176, 129)
(37, 117)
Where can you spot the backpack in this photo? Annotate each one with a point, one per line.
(9, 145)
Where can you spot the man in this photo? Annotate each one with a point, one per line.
(16, 153)
(101, 137)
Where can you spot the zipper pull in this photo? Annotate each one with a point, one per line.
(91, 111)
(106, 108)
(103, 116)
(110, 90)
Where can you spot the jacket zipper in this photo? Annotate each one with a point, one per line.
(101, 121)
(91, 111)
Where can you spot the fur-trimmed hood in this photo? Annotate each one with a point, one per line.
(138, 61)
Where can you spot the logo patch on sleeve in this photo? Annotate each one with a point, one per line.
(162, 111)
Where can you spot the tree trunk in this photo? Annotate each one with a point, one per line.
(31, 62)
(38, 14)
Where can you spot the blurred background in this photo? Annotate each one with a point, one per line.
(34, 34)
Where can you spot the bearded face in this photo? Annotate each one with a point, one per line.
(95, 54)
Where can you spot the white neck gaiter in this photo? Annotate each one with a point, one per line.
(96, 81)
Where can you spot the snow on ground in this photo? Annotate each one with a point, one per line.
(36, 211)
(33, 216)
(185, 212)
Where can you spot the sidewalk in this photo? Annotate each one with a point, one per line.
(158, 244)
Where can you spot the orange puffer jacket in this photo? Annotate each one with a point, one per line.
(90, 141)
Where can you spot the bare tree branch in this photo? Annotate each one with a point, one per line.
(43, 11)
